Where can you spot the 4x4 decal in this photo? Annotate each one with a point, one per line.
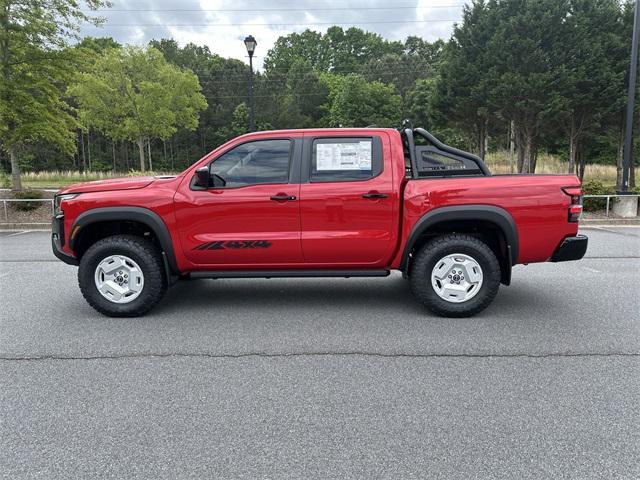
(234, 244)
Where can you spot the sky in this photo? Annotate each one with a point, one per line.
(222, 25)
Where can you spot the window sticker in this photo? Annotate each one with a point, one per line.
(343, 156)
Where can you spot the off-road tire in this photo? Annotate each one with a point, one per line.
(144, 253)
(438, 248)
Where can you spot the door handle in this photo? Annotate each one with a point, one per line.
(375, 195)
(283, 198)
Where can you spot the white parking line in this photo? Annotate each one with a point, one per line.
(18, 233)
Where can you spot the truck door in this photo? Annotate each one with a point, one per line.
(347, 201)
(254, 219)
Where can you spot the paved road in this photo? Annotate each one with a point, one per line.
(328, 378)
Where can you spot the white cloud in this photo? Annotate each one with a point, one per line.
(193, 21)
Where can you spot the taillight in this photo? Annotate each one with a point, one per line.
(575, 208)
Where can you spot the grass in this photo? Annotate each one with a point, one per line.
(62, 178)
(498, 162)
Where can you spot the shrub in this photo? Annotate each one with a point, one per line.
(5, 180)
(27, 195)
(594, 187)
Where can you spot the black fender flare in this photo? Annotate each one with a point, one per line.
(496, 215)
(136, 214)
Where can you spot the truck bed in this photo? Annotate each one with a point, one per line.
(536, 202)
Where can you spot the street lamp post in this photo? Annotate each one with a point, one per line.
(251, 43)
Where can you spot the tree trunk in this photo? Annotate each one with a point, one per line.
(481, 143)
(127, 158)
(581, 164)
(89, 148)
(141, 150)
(164, 147)
(573, 150)
(16, 182)
(113, 151)
(486, 138)
(528, 152)
(520, 165)
(84, 156)
(512, 146)
(171, 152)
(149, 150)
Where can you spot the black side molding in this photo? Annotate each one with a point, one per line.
(287, 273)
(136, 214)
(571, 248)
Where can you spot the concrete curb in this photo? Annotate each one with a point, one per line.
(611, 222)
(25, 226)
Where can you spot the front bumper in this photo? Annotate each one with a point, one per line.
(571, 248)
(57, 241)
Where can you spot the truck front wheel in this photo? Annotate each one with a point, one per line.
(122, 276)
(455, 275)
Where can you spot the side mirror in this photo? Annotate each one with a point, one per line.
(202, 178)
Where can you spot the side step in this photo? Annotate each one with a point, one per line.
(288, 273)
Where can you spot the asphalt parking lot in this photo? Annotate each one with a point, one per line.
(330, 378)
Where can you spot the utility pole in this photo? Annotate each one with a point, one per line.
(628, 131)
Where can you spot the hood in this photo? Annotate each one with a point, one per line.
(126, 183)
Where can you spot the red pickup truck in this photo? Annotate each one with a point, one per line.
(348, 202)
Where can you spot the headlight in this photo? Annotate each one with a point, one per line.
(57, 201)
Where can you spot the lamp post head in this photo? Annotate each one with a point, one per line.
(250, 43)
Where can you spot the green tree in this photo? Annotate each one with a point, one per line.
(35, 65)
(461, 93)
(338, 50)
(354, 102)
(527, 76)
(418, 60)
(307, 46)
(591, 81)
(97, 44)
(132, 93)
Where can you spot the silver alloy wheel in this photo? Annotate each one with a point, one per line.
(457, 278)
(119, 279)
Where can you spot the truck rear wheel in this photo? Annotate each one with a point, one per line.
(455, 275)
(122, 276)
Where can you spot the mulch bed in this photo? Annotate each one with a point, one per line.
(42, 214)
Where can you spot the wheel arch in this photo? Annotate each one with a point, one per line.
(109, 218)
(486, 221)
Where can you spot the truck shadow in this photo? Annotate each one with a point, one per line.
(304, 294)
(359, 296)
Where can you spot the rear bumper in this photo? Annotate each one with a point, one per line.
(571, 248)
(57, 240)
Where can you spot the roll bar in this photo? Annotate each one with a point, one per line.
(411, 145)
(445, 148)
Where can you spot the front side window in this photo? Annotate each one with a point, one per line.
(255, 163)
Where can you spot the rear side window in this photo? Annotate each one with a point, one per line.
(345, 159)
(255, 163)
(436, 163)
